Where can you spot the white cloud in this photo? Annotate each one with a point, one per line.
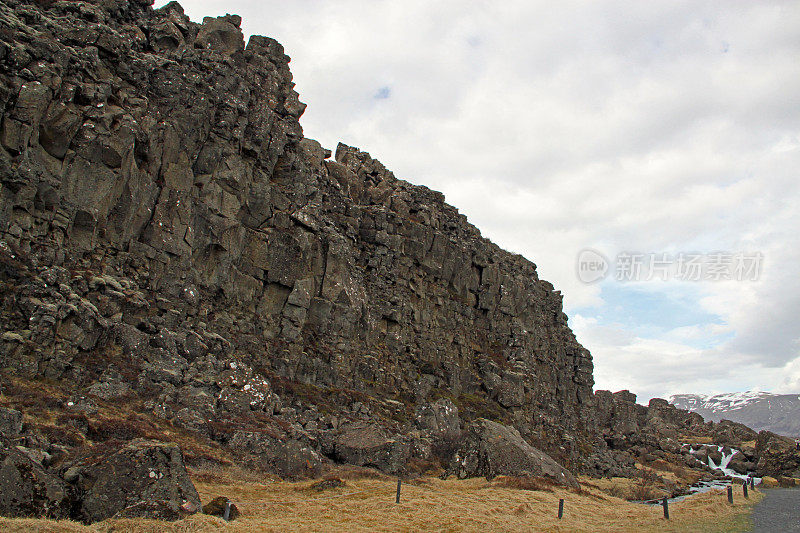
(651, 126)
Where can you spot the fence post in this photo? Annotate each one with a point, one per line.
(665, 503)
(745, 490)
(730, 494)
(397, 498)
(226, 514)
(752, 482)
(560, 508)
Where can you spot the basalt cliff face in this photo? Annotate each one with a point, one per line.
(178, 264)
(175, 251)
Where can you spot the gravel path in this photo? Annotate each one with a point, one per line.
(778, 512)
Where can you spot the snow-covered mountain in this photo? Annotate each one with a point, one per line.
(779, 413)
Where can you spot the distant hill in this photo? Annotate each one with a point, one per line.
(779, 413)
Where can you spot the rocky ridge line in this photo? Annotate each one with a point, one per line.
(178, 263)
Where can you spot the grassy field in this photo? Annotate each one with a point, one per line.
(368, 504)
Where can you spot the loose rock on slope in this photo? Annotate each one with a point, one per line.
(27, 490)
(490, 449)
(142, 479)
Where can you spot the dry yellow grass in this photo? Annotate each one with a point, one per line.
(428, 504)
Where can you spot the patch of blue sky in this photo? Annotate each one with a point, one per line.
(659, 311)
(383, 93)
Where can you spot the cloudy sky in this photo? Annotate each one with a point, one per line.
(633, 129)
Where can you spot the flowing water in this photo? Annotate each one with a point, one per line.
(705, 486)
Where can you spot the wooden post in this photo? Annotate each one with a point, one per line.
(730, 494)
(560, 508)
(226, 514)
(665, 503)
(752, 482)
(397, 498)
(745, 489)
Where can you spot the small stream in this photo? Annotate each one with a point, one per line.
(705, 486)
(724, 462)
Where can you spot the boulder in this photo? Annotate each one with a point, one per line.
(216, 507)
(285, 456)
(27, 490)
(221, 33)
(141, 479)
(715, 455)
(749, 452)
(10, 422)
(740, 464)
(731, 433)
(788, 482)
(702, 455)
(769, 481)
(367, 445)
(777, 455)
(491, 449)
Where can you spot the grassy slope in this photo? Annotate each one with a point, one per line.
(428, 504)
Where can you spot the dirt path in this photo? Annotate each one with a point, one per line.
(778, 511)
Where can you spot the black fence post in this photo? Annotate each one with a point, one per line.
(665, 503)
(752, 482)
(745, 489)
(397, 498)
(560, 508)
(730, 494)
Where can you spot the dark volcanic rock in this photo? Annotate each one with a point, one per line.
(27, 490)
(288, 457)
(216, 507)
(154, 176)
(777, 456)
(367, 445)
(10, 422)
(610, 463)
(662, 431)
(142, 479)
(727, 432)
(168, 238)
(440, 418)
(741, 465)
(490, 449)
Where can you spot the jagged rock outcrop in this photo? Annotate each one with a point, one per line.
(490, 449)
(27, 490)
(441, 422)
(660, 432)
(167, 235)
(141, 479)
(287, 457)
(778, 456)
(175, 254)
(367, 445)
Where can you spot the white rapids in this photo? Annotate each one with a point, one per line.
(724, 461)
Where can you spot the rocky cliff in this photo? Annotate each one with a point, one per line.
(172, 245)
(178, 264)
